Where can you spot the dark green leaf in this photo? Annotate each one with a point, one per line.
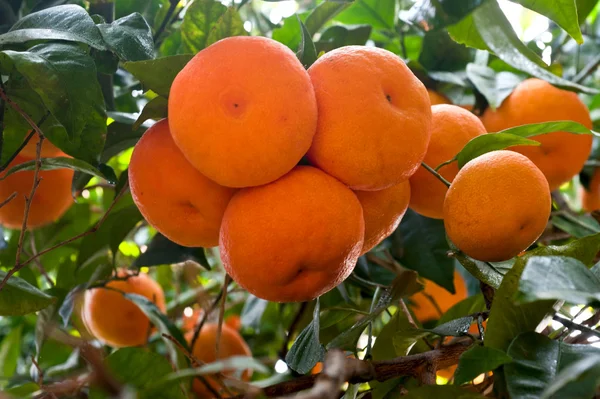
(440, 52)
(155, 109)
(141, 368)
(307, 53)
(578, 226)
(229, 24)
(420, 244)
(488, 143)
(377, 13)
(10, 351)
(322, 13)
(570, 377)
(162, 251)
(453, 328)
(441, 391)
(307, 350)
(18, 297)
(495, 86)
(199, 20)
(385, 339)
(112, 232)
(563, 12)
(56, 163)
(66, 22)
(158, 74)
(584, 8)
(478, 360)
(487, 272)
(431, 15)
(404, 340)
(253, 311)
(64, 77)
(468, 306)
(338, 36)
(120, 136)
(558, 277)
(129, 37)
(497, 33)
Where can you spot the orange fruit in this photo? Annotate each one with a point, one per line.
(374, 117)
(243, 111)
(453, 127)
(49, 150)
(590, 199)
(425, 310)
(497, 206)
(382, 210)
(231, 344)
(176, 199)
(561, 155)
(294, 239)
(437, 98)
(51, 200)
(115, 320)
(234, 321)
(190, 322)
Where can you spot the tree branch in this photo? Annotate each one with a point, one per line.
(360, 371)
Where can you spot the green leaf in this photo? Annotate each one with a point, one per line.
(229, 24)
(199, 20)
(478, 360)
(558, 277)
(57, 163)
(514, 136)
(112, 232)
(307, 350)
(156, 109)
(441, 391)
(119, 137)
(338, 36)
(578, 226)
(405, 339)
(453, 328)
(377, 13)
(64, 77)
(142, 368)
(422, 247)
(497, 33)
(307, 53)
(158, 74)
(495, 86)
(289, 33)
(487, 272)
(386, 338)
(162, 251)
(253, 311)
(563, 12)
(468, 306)
(465, 32)
(130, 38)
(65, 22)
(570, 377)
(10, 351)
(584, 8)
(430, 15)
(322, 13)
(18, 297)
(440, 52)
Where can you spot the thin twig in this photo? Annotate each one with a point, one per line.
(213, 306)
(574, 326)
(10, 198)
(23, 144)
(40, 379)
(436, 174)
(39, 265)
(165, 21)
(587, 70)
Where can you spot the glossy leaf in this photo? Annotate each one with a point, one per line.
(162, 251)
(420, 244)
(65, 22)
(578, 226)
(338, 36)
(130, 38)
(495, 87)
(377, 13)
(558, 277)
(307, 53)
(563, 12)
(57, 163)
(453, 328)
(468, 306)
(200, 19)
(430, 15)
(307, 350)
(487, 272)
(478, 360)
(141, 368)
(253, 311)
(158, 74)
(322, 13)
(155, 109)
(570, 377)
(229, 24)
(18, 297)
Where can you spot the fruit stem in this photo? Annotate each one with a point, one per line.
(436, 174)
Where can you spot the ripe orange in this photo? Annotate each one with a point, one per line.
(382, 210)
(561, 155)
(497, 206)
(437, 98)
(173, 196)
(190, 322)
(243, 111)
(425, 310)
(231, 344)
(51, 200)
(115, 320)
(453, 127)
(374, 117)
(234, 321)
(49, 150)
(590, 199)
(293, 239)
